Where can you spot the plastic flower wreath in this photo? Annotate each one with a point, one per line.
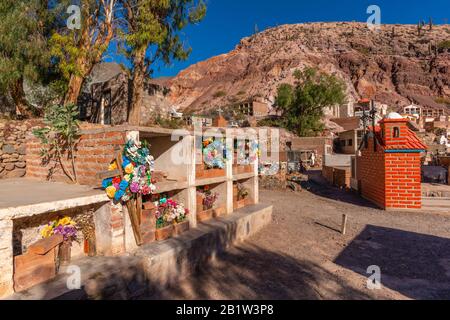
(138, 166)
(214, 153)
(247, 152)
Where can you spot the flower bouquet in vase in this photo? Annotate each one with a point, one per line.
(209, 198)
(67, 228)
(171, 218)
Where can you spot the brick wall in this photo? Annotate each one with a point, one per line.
(403, 181)
(94, 152)
(370, 168)
(339, 177)
(327, 173)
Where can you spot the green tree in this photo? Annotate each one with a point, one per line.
(23, 49)
(152, 33)
(302, 104)
(76, 51)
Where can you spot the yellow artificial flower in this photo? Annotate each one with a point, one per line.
(111, 192)
(64, 221)
(112, 166)
(129, 168)
(47, 231)
(127, 178)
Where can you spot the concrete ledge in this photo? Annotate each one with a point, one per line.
(155, 265)
(242, 176)
(26, 197)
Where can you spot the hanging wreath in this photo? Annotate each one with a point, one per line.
(247, 152)
(138, 166)
(214, 153)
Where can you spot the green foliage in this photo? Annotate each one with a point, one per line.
(219, 94)
(60, 136)
(23, 47)
(443, 100)
(444, 45)
(271, 122)
(302, 104)
(153, 27)
(169, 123)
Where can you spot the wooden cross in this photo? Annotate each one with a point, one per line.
(134, 206)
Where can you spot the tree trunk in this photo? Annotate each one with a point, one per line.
(18, 96)
(74, 89)
(137, 84)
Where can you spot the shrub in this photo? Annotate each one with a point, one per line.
(169, 123)
(444, 45)
(219, 94)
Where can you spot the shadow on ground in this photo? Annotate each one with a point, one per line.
(416, 265)
(320, 187)
(247, 272)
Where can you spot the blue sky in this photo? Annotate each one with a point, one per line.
(227, 21)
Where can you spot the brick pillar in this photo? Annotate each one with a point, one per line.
(117, 229)
(6, 258)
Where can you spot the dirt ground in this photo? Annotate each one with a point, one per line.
(302, 256)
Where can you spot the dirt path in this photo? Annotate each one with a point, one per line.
(300, 256)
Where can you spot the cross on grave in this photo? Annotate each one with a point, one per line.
(134, 206)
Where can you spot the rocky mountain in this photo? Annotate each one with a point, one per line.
(395, 65)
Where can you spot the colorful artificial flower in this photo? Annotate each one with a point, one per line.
(129, 168)
(111, 191)
(135, 187)
(47, 231)
(64, 221)
(138, 165)
(106, 183)
(116, 180)
(125, 162)
(112, 166)
(123, 185)
(146, 190)
(118, 195)
(64, 226)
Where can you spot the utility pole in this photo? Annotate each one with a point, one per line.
(373, 113)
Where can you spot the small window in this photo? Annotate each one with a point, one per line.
(350, 142)
(396, 132)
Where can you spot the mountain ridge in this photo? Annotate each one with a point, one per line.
(396, 65)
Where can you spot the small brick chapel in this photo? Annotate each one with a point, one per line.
(388, 165)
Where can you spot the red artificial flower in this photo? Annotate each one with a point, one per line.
(117, 180)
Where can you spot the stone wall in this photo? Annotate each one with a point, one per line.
(13, 147)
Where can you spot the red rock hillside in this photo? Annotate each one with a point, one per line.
(393, 66)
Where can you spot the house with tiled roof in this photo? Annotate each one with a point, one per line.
(387, 170)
